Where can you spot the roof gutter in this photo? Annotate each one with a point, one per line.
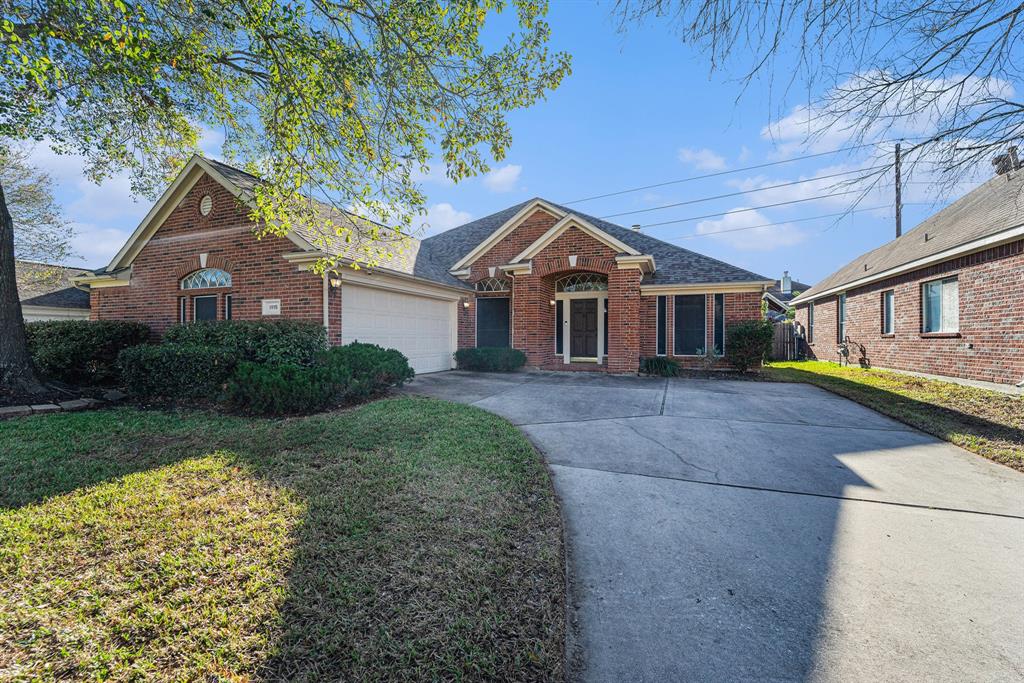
(707, 287)
(995, 240)
(305, 259)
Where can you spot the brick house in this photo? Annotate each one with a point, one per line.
(946, 298)
(570, 290)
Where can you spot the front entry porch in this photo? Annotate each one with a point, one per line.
(581, 319)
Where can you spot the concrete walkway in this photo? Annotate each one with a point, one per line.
(733, 531)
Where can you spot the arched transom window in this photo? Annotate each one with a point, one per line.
(493, 284)
(206, 278)
(582, 282)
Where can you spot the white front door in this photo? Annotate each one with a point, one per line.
(421, 327)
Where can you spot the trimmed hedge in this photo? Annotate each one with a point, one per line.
(660, 366)
(373, 368)
(280, 341)
(748, 343)
(485, 359)
(261, 389)
(81, 351)
(175, 371)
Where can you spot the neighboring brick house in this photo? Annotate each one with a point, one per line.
(46, 292)
(946, 298)
(571, 290)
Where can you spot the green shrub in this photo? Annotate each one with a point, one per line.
(373, 368)
(81, 351)
(175, 371)
(279, 341)
(486, 359)
(660, 366)
(748, 343)
(285, 389)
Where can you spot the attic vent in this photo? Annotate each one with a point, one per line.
(926, 237)
(206, 205)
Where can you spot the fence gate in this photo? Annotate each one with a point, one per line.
(784, 342)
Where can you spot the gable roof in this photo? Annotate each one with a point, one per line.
(434, 257)
(675, 265)
(990, 214)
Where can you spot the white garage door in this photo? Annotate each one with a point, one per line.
(421, 328)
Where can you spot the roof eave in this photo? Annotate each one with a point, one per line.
(994, 240)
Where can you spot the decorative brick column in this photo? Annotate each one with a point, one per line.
(624, 320)
(533, 330)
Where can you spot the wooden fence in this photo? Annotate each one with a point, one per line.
(785, 342)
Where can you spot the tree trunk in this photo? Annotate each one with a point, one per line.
(17, 374)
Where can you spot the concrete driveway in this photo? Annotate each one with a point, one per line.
(730, 531)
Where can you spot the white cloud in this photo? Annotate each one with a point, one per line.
(441, 217)
(702, 159)
(436, 173)
(727, 230)
(919, 109)
(503, 179)
(95, 245)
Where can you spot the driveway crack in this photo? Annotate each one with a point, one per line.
(713, 473)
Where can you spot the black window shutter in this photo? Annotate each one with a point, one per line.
(719, 323)
(662, 325)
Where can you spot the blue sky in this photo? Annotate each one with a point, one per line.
(639, 108)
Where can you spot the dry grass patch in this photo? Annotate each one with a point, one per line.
(989, 423)
(408, 539)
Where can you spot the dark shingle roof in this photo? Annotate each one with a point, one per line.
(69, 297)
(990, 208)
(45, 284)
(674, 265)
(432, 257)
(795, 289)
(401, 254)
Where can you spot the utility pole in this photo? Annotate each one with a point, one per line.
(899, 195)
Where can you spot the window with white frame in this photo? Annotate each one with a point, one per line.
(206, 279)
(888, 299)
(841, 318)
(940, 301)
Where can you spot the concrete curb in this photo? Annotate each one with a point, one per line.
(43, 408)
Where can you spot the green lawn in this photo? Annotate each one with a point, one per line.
(406, 539)
(989, 423)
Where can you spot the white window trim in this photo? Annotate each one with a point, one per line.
(714, 308)
(840, 317)
(887, 315)
(924, 307)
(567, 328)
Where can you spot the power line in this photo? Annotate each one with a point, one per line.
(768, 225)
(721, 173)
(752, 208)
(742, 192)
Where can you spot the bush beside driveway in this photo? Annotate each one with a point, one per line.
(407, 539)
(985, 422)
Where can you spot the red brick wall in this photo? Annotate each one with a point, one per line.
(256, 267)
(989, 345)
(512, 245)
(739, 307)
(631, 318)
